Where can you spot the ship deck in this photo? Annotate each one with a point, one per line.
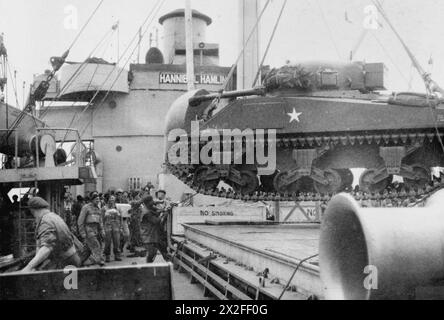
(291, 241)
(280, 248)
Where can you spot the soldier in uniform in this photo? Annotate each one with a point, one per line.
(91, 229)
(134, 226)
(112, 219)
(55, 244)
(151, 226)
(119, 195)
(161, 202)
(164, 206)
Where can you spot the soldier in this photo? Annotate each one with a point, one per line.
(112, 219)
(55, 245)
(76, 209)
(90, 225)
(134, 226)
(119, 195)
(161, 201)
(125, 198)
(164, 206)
(152, 231)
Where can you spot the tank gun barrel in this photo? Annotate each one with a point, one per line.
(258, 91)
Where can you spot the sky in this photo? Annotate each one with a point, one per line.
(309, 30)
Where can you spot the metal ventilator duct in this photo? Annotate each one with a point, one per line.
(381, 253)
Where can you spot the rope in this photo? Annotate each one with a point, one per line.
(427, 81)
(22, 113)
(360, 41)
(51, 76)
(329, 29)
(13, 83)
(85, 25)
(74, 76)
(233, 68)
(294, 273)
(213, 104)
(108, 33)
(154, 11)
(269, 44)
(78, 71)
(122, 69)
(390, 58)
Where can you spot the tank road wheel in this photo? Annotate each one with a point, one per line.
(250, 183)
(423, 176)
(267, 182)
(278, 182)
(200, 179)
(366, 185)
(334, 183)
(304, 184)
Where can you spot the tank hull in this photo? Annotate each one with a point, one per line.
(319, 137)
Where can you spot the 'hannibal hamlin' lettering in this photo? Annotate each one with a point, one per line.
(180, 78)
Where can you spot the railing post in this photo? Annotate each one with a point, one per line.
(37, 160)
(16, 150)
(78, 154)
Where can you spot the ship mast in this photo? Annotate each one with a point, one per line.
(248, 43)
(4, 77)
(189, 45)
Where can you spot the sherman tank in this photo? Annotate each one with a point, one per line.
(328, 118)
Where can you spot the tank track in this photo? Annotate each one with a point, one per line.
(186, 173)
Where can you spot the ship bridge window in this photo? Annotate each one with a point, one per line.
(198, 52)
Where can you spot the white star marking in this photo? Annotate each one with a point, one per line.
(294, 116)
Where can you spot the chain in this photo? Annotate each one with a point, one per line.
(414, 196)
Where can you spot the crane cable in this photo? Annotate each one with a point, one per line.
(103, 54)
(431, 86)
(390, 58)
(360, 40)
(13, 83)
(259, 71)
(51, 76)
(14, 87)
(329, 29)
(155, 10)
(118, 76)
(213, 104)
(233, 68)
(13, 125)
(84, 63)
(78, 71)
(85, 25)
(152, 14)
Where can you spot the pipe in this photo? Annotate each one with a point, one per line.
(381, 253)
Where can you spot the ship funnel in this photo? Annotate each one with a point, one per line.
(381, 253)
